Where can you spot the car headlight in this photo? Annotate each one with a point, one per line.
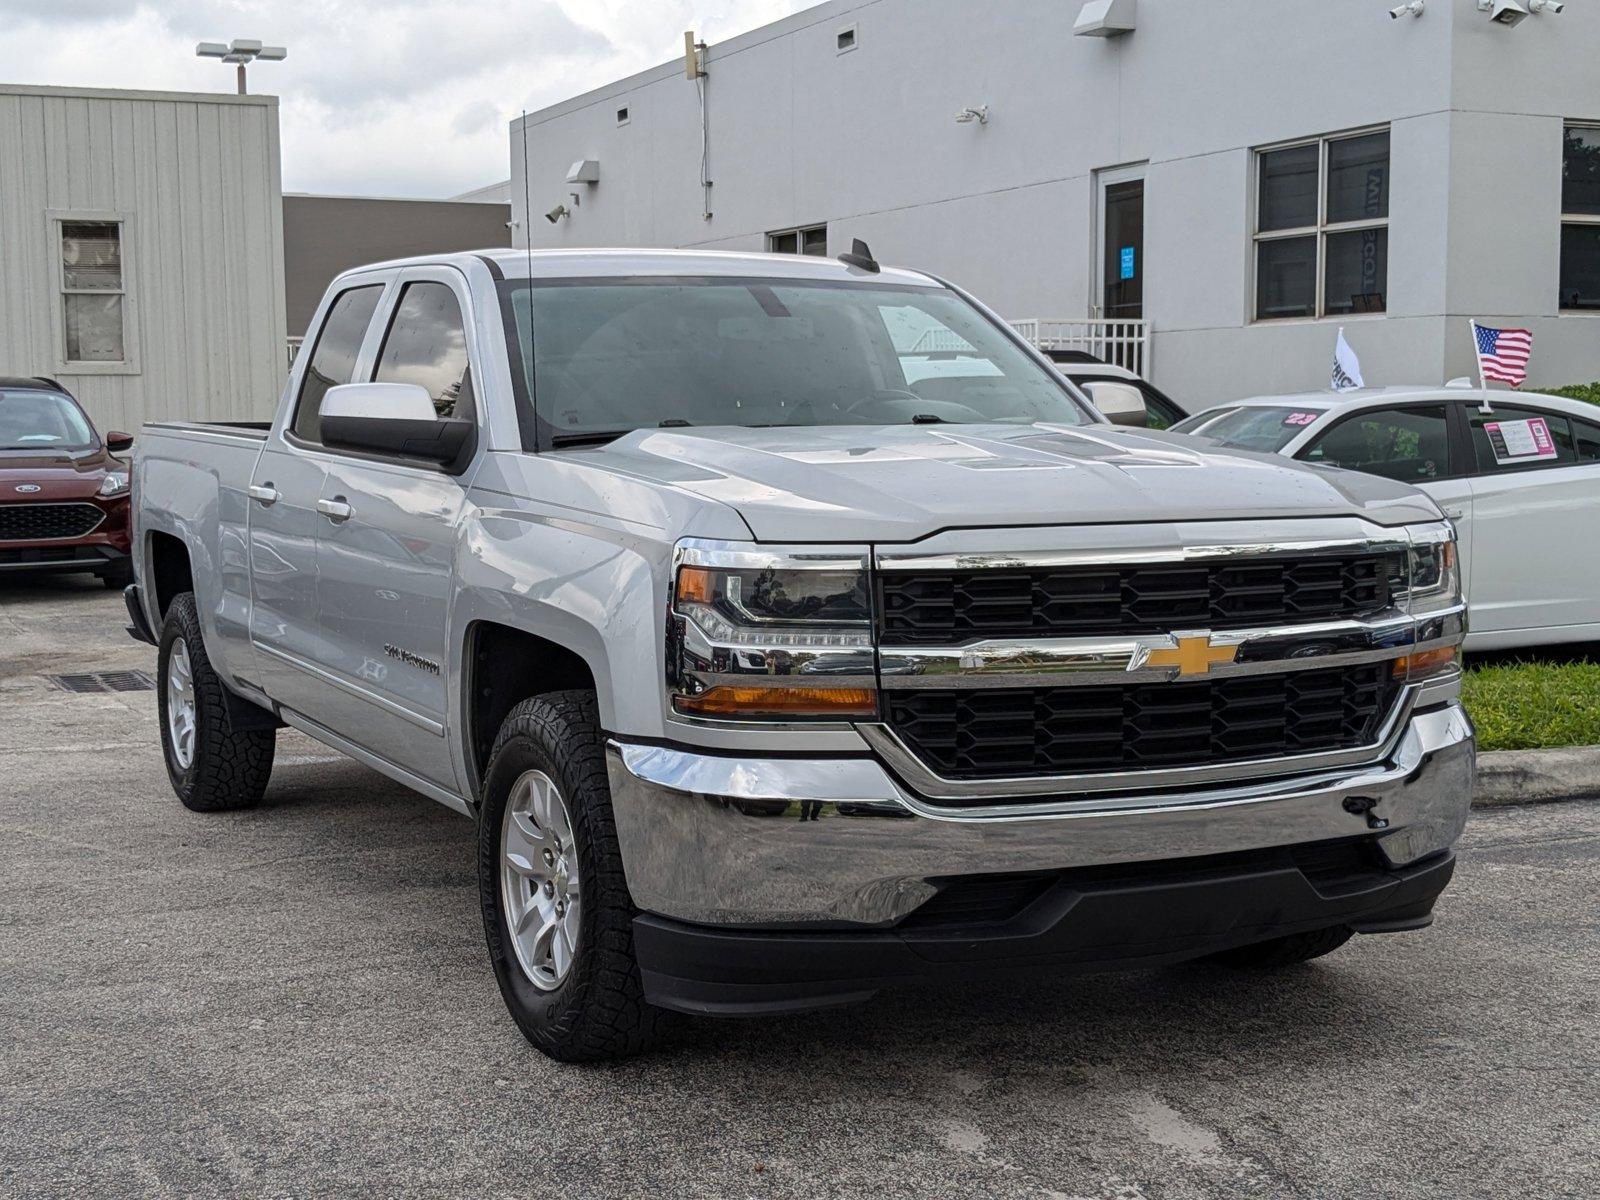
(770, 634)
(1433, 598)
(114, 484)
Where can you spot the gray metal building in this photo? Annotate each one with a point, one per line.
(141, 250)
(1233, 180)
(324, 235)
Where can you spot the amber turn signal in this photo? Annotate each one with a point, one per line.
(1426, 662)
(727, 701)
(696, 585)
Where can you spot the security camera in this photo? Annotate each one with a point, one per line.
(1504, 12)
(1545, 6)
(556, 213)
(1413, 9)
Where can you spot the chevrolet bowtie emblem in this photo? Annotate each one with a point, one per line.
(1192, 656)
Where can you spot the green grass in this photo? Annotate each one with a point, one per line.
(1534, 705)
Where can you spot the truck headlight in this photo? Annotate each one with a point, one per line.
(770, 634)
(114, 484)
(1433, 598)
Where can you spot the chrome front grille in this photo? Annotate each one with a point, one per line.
(1146, 664)
(977, 733)
(932, 606)
(47, 522)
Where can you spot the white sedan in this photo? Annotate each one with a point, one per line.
(1519, 474)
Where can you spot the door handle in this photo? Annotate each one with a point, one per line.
(264, 493)
(336, 510)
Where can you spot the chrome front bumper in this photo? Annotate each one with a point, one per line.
(730, 841)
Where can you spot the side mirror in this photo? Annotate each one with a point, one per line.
(392, 418)
(117, 441)
(1121, 403)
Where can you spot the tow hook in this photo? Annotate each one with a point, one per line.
(1362, 806)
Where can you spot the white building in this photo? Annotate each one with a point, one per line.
(141, 250)
(1243, 176)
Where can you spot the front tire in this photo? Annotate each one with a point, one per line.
(556, 908)
(1286, 951)
(213, 768)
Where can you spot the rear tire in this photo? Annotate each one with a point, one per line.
(117, 576)
(569, 978)
(212, 767)
(1286, 951)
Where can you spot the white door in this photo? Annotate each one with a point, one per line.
(1535, 511)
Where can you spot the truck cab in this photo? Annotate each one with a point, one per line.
(778, 667)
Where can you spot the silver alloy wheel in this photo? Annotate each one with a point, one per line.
(180, 704)
(539, 879)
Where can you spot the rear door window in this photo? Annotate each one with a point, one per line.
(426, 344)
(1520, 439)
(1409, 444)
(1586, 441)
(333, 358)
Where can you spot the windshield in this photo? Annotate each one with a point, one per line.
(32, 420)
(1265, 428)
(611, 356)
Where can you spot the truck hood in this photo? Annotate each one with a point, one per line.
(901, 483)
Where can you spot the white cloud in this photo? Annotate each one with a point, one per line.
(378, 97)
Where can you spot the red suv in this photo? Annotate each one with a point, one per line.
(63, 497)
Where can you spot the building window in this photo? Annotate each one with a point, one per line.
(1580, 218)
(845, 39)
(811, 240)
(1322, 227)
(93, 292)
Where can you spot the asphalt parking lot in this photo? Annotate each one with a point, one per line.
(295, 1001)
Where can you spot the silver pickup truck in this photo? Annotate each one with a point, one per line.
(792, 630)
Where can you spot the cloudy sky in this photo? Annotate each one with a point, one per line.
(379, 97)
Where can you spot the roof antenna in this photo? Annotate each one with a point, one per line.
(860, 256)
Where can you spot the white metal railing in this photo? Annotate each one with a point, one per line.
(294, 350)
(940, 341)
(1110, 339)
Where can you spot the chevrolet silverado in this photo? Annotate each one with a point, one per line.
(792, 630)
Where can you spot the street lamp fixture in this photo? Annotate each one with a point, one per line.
(241, 52)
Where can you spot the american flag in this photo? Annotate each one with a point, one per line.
(1503, 353)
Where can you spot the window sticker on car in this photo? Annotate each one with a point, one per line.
(1520, 441)
(1301, 418)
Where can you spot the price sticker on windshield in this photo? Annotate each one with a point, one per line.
(1301, 418)
(1520, 441)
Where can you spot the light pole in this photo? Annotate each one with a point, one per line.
(241, 51)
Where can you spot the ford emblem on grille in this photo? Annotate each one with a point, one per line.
(27, 487)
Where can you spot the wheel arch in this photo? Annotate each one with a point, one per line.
(169, 571)
(502, 665)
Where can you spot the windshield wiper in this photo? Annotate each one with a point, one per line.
(595, 437)
(599, 437)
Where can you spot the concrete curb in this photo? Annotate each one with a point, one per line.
(1535, 776)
